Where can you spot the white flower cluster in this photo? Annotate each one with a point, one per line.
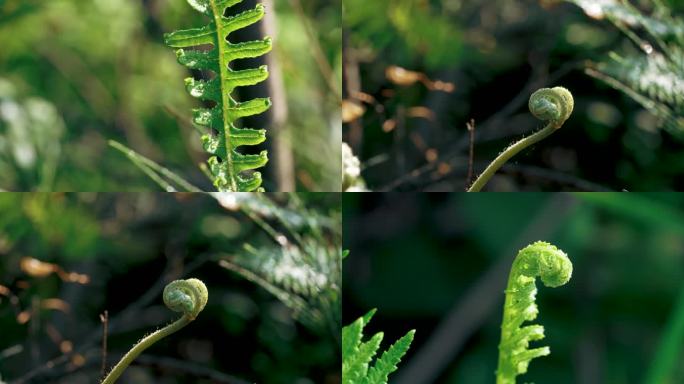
(351, 171)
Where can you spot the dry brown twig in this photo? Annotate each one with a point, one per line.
(104, 318)
(471, 152)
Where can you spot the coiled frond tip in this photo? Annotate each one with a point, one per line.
(186, 296)
(552, 104)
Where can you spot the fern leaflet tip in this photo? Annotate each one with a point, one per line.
(357, 355)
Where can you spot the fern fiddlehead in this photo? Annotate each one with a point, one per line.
(227, 165)
(188, 297)
(553, 105)
(554, 268)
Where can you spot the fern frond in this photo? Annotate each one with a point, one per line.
(227, 166)
(654, 81)
(360, 354)
(357, 355)
(553, 267)
(301, 266)
(389, 360)
(654, 76)
(305, 278)
(358, 363)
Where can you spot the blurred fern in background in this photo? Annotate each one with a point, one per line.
(301, 266)
(651, 71)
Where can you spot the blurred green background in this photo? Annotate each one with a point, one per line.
(416, 72)
(74, 74)
(130, 245)
(439, 263)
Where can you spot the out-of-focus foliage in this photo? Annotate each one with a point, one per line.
(313, 98)
(67, 231)
(413, 136)
(66, 258)
(31, 134)
(103, 65)
(407, 29)
(439, 263)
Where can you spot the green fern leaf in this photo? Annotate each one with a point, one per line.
(351, 339)
(352, 336)
(357, 355)
(227, 166)
(389, 360)
(357, 366)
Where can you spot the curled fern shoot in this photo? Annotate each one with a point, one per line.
(554, 268)
(222, 138)
(553, 105)
(185, 296)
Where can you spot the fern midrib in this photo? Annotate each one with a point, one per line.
(504, 370)
(225, 97)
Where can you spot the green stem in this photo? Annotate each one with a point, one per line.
(226, 100)
(143, 345)
(510, 152)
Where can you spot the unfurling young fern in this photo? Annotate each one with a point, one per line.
(547, 104)
(357, 354)
(227, 165)
(186, 296)
(552, 265)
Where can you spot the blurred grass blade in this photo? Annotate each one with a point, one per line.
(668, 356)
(638, 207)
(156, 172)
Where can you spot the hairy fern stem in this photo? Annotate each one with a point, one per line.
(186, 296)
(549, 104)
